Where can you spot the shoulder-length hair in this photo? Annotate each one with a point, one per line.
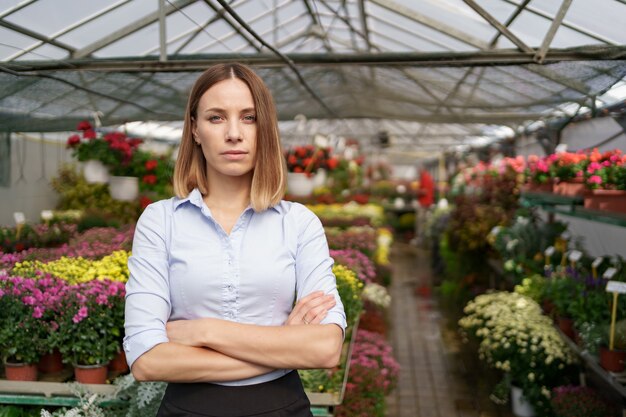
(269, 176)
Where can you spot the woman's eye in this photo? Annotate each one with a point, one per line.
(250, 118)
(215, 118)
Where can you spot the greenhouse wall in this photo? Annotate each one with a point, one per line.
(34, 161)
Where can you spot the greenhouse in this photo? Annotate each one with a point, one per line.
(457, 168)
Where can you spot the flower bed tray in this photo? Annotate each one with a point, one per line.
(326, 399)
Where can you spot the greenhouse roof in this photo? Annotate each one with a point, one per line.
(458, 62)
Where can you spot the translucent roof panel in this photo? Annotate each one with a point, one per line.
(485, 62)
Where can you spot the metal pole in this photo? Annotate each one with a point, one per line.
(162, 35)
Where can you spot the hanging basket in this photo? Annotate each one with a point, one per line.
(95, 172)
(124, 188)
(299, 184)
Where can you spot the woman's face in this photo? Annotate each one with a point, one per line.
(225, 128)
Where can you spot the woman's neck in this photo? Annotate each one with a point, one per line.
(228, 194)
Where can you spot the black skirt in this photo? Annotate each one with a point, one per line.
(282, 397)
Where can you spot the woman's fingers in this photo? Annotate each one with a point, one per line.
(307, 309)
(319, 313)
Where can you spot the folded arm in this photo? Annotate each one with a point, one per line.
(173, 362)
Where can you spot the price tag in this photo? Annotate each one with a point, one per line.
(46, 215)
(575, 255)
(549, 251)
(495, 231)
(596, 262)
(19, 217)
(609, 273)
(616, 286)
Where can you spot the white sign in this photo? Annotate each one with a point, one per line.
(46, 215)
(609, 273)
(575, 255)
(495, 231)
(549, 251)
(596, 262)
(19, 217)
(616, 286)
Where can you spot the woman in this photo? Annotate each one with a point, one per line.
(215, 271)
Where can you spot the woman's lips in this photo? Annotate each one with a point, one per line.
(234, 155)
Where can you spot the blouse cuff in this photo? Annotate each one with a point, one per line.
(334, 317)
(140, 343)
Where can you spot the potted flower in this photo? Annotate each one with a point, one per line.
(306, 166)
(516, 338)
(89, 328)
(605, 175)
(24, 329)
(578, 401)
(567, 170)
(538, 174)
(115, 151)
(93, 151)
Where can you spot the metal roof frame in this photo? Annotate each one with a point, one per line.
(362, 47)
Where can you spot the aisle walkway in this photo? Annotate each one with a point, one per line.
(437, 377)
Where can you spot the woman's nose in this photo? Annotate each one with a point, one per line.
(234, 133)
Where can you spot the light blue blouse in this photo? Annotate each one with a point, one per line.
(185, 266)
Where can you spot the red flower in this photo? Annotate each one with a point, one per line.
(298, 169)
(150, 179)
(84, 125)
(144, 202)
(332, 163)
(89, 134)
(73, 141)
(151, 164)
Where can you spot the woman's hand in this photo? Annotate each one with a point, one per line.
(311, 309)
(186, 332)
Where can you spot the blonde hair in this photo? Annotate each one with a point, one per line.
(269, 177)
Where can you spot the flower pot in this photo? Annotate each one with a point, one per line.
(124, 188)
(608, 200)
(90, 374)
(50, 362)
(118, 363)
(520, 405)
(612, 360)
(566, 325)
(95, 172)
(299, 184)
(571, 188)
(20, 371)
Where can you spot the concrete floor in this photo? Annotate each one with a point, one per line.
(439, 376)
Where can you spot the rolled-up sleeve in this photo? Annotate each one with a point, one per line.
(314, 265)
(147, 290)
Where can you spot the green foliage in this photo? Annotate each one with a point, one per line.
(349, 288)
(21, 411)
(76, 194)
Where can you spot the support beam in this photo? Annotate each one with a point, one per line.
(233, 25)
(172, 6)
(499, 26)
(401, 59)
(42, 38)
(568, 25)
(541, 54)
(365, 28)
(431, 23)
(162, 32)
(508, 22)
(68, 29)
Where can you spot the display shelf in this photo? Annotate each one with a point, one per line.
(551, 199)
(591, 365)
(571, 206)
